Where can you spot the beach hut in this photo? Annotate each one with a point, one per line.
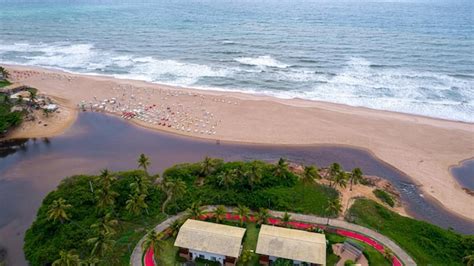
(210, 241)
(299, 246)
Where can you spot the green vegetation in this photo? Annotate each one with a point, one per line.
(4, 83)
(8, 119)
(103, 217)
(384, 197)
(426, 243)
(250, 245)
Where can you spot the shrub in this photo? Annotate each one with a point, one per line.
(384, 197)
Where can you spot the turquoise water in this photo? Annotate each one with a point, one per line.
(407, 56)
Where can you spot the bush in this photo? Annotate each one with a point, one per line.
(384, 197)
(349, 263)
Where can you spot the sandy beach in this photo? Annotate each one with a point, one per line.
(421, 147)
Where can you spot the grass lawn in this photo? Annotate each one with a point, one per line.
(426, 243)
(4, 83)
(169, 253)
(250, 242)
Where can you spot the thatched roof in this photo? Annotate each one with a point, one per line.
(292, 244)
(210, 237)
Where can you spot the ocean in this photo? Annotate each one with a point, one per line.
(411, 56)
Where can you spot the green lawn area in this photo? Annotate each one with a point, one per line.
(426, 243)
(169, 253)
(4, 83)
(250, 243)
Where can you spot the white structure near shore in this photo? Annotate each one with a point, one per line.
(210, 241)
(304, 248)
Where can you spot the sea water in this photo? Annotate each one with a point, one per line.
(412, 56)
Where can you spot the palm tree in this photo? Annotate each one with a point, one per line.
(173, 189)
(226, 179)
(195, 211)
(58, 210)
(105, 197)
(281, 168)
(69, 258)
(106, 224)
(254, 175)
(136, 203)
(33, 94)
(207, 166)
(4, 74)
(262, 216)
(334, 171)
(174, 227)
(469, 260)
(219, 213)
(310, 173)
(340, 180)
(141, 184)
(355, 176)
(334, 208)
(90, 261)
(144, 162)
(153, 240)
(286, 219)
(243, 213)
(101, 244)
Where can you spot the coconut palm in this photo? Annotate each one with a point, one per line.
(4, 74)
(340, 180)
(281, 168)
(334, 171)
(90, 261)
(226, 179)
(141, 184)
(174, 227)
(207, 166)
(144, 162)
(219, 213)
(154, 241)
(101, 244)
(286, 219)
(67, 258)
(106, 224)
(262, 216)
(105, 179)
(469, 260)
(334, 208)
(58, 210)
(355, 176)
(173, 189)
(136, 203)
(254, 175)
(195, 211)
(310, 173)
(243, 213)
(105, 197)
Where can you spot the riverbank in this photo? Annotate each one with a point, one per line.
(423, 148)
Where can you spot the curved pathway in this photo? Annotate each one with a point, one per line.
(302, 221)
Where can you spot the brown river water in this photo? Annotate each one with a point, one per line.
(29, 169)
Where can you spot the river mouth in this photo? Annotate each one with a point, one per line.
(29, 169)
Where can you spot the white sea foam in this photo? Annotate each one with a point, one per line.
(261, 61)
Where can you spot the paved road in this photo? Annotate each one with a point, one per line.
(136, 258)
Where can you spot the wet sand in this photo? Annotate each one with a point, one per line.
(96, 141)
(422, 148)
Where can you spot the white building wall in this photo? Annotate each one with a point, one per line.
(207, 256)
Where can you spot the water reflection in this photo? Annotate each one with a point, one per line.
(30, 169)
(464, 174)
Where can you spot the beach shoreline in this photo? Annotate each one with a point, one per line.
(423, 148)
